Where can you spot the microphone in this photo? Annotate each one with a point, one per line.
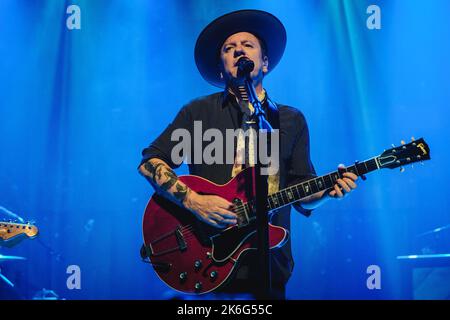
(245, 66)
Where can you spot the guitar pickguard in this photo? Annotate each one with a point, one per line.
(227, 242)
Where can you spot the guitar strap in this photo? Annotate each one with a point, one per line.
(273, 116)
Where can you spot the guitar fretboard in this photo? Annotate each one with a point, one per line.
(306, 188)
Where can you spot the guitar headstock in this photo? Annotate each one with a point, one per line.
(415, 151)
(9, 230)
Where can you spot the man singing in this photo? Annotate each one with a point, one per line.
(260, 37)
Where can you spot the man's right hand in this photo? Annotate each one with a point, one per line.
(214, 210)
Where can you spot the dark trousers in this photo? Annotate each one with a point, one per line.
(247, 289)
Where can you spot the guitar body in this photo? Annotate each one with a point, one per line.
(190, 256)
(193, 257)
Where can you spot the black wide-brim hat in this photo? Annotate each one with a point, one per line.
(263, 25)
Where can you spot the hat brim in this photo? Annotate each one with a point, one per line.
(262, 24)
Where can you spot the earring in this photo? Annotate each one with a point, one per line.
(221, 75)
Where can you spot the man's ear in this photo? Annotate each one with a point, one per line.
(265, 67)
(220, 70)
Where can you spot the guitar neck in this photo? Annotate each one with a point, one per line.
(304, 189)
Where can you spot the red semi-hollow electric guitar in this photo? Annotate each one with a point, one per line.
(193, 257)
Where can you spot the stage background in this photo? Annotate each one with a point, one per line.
(78, 106)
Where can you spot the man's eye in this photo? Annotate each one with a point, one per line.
(228, 49)
(249, 45)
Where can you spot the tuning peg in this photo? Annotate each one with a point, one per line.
(402, 142)
(413, 139)
(402, 169)
(393, 146)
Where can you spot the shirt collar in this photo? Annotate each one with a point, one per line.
(228, 98)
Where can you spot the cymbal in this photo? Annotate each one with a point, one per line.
(8, 258)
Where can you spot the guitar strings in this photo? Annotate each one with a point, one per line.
(240, 210)
(187, 230)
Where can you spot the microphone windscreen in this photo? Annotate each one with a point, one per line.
(245, 66)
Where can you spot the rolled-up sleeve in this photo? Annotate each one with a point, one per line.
(162, 146)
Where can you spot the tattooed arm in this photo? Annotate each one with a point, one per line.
(213, 210)
(164, 180)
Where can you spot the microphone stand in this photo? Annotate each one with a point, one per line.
(260, 188)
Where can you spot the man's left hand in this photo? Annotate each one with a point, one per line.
(344, 185)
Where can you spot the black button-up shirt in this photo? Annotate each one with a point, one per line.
(221, 111)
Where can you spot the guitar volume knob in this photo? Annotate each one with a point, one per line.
(183, 276)
(213, 275)
(198, 286)
(198, 264)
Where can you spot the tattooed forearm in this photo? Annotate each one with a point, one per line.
(181, 192)
(171, 179)
(154, 170)
(164, 179)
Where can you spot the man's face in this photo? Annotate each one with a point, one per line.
(243, 44)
